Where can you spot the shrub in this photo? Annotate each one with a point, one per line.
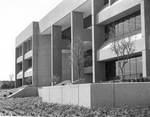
(33, 106)
(5, 86)
(29, 80)
(4, 95)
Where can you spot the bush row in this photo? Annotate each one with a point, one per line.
(141, 79)
(33, 106)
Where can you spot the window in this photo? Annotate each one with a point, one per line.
(20, 66)
(106, 2)
(19, 51)
(138, 22)
(125, 25)
(120, 29)
(113, 1)
(127, 68)
(66, 34)
(87, 22)
(139, 66)
(29, 63)
(29, 45)
(132, 69)
(132, 24)
(88, 58)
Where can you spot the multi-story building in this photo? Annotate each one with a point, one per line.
(42, 48)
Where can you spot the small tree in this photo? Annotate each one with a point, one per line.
(11, 76)
(29, 80)
(122, 46)
(54, 79)
(11, 83)
(77, 60)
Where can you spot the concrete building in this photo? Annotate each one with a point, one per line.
(42, 48)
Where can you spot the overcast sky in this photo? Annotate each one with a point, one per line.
(15, 16)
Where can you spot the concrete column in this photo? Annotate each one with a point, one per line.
(35, 38)
(56, 53)
(23, 63)
(44, 60)
(76, 32)
(16, 69)
(145, 25)
(97, 41)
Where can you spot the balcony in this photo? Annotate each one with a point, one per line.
(28, 73)
(28, 55)
(117, 10)
(20, 75)
(19, 59)
(105, 52)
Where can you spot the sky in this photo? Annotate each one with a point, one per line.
(15, 16)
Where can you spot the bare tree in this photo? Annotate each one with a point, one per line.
(77, 59)
(54, 79)
(11, 76)
(122, 46)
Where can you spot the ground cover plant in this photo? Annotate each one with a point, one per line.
(7, 92)
(33, 106)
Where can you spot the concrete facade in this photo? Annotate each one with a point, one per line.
(42, 49)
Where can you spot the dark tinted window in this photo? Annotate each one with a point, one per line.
(128, 24)
(30, 63)
(87, 22)
(132, 69)
(106, 2)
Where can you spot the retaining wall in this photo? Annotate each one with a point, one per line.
(98, 94)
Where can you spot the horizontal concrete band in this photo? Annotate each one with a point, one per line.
(98, 95)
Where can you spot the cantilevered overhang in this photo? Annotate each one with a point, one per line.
(117, 10)
(105, 53)
(61, 15)
(26, 33)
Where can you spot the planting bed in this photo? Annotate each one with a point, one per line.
(33, 106)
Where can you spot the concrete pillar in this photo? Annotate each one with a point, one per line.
(56, 53)
(16, 56)
(44, 60)
(35, 38)
(145, 25)
(97, 41)
(76, 32)
(24, 63)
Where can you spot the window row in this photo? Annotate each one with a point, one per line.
(28, 47)
(28, 65)
(126, 25)
(132, 69)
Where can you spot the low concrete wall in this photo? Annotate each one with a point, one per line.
(102, 95)
(132, 94)
(68, 94)
(98, 94)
